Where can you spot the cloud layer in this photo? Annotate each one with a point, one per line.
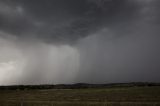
(92, 41)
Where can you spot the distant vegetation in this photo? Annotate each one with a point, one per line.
(77, 86)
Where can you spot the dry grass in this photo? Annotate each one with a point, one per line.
(133, 96)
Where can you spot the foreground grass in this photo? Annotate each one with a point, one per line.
(129, 96)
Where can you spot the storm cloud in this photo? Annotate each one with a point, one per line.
(72, 41)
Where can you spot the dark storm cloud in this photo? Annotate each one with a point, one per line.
(55, 20)
(95, 41)
(127, 49)
(61, 20)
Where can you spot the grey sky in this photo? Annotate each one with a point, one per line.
(70, 41)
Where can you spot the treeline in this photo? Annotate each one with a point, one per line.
(77, 86)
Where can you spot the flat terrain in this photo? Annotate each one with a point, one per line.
(124, 96)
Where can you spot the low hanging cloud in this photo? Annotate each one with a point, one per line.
(91, 41)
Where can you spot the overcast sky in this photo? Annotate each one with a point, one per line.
(73, 41)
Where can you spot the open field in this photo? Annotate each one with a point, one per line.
(124, 96)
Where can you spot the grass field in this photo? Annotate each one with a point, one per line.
(126, 96)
